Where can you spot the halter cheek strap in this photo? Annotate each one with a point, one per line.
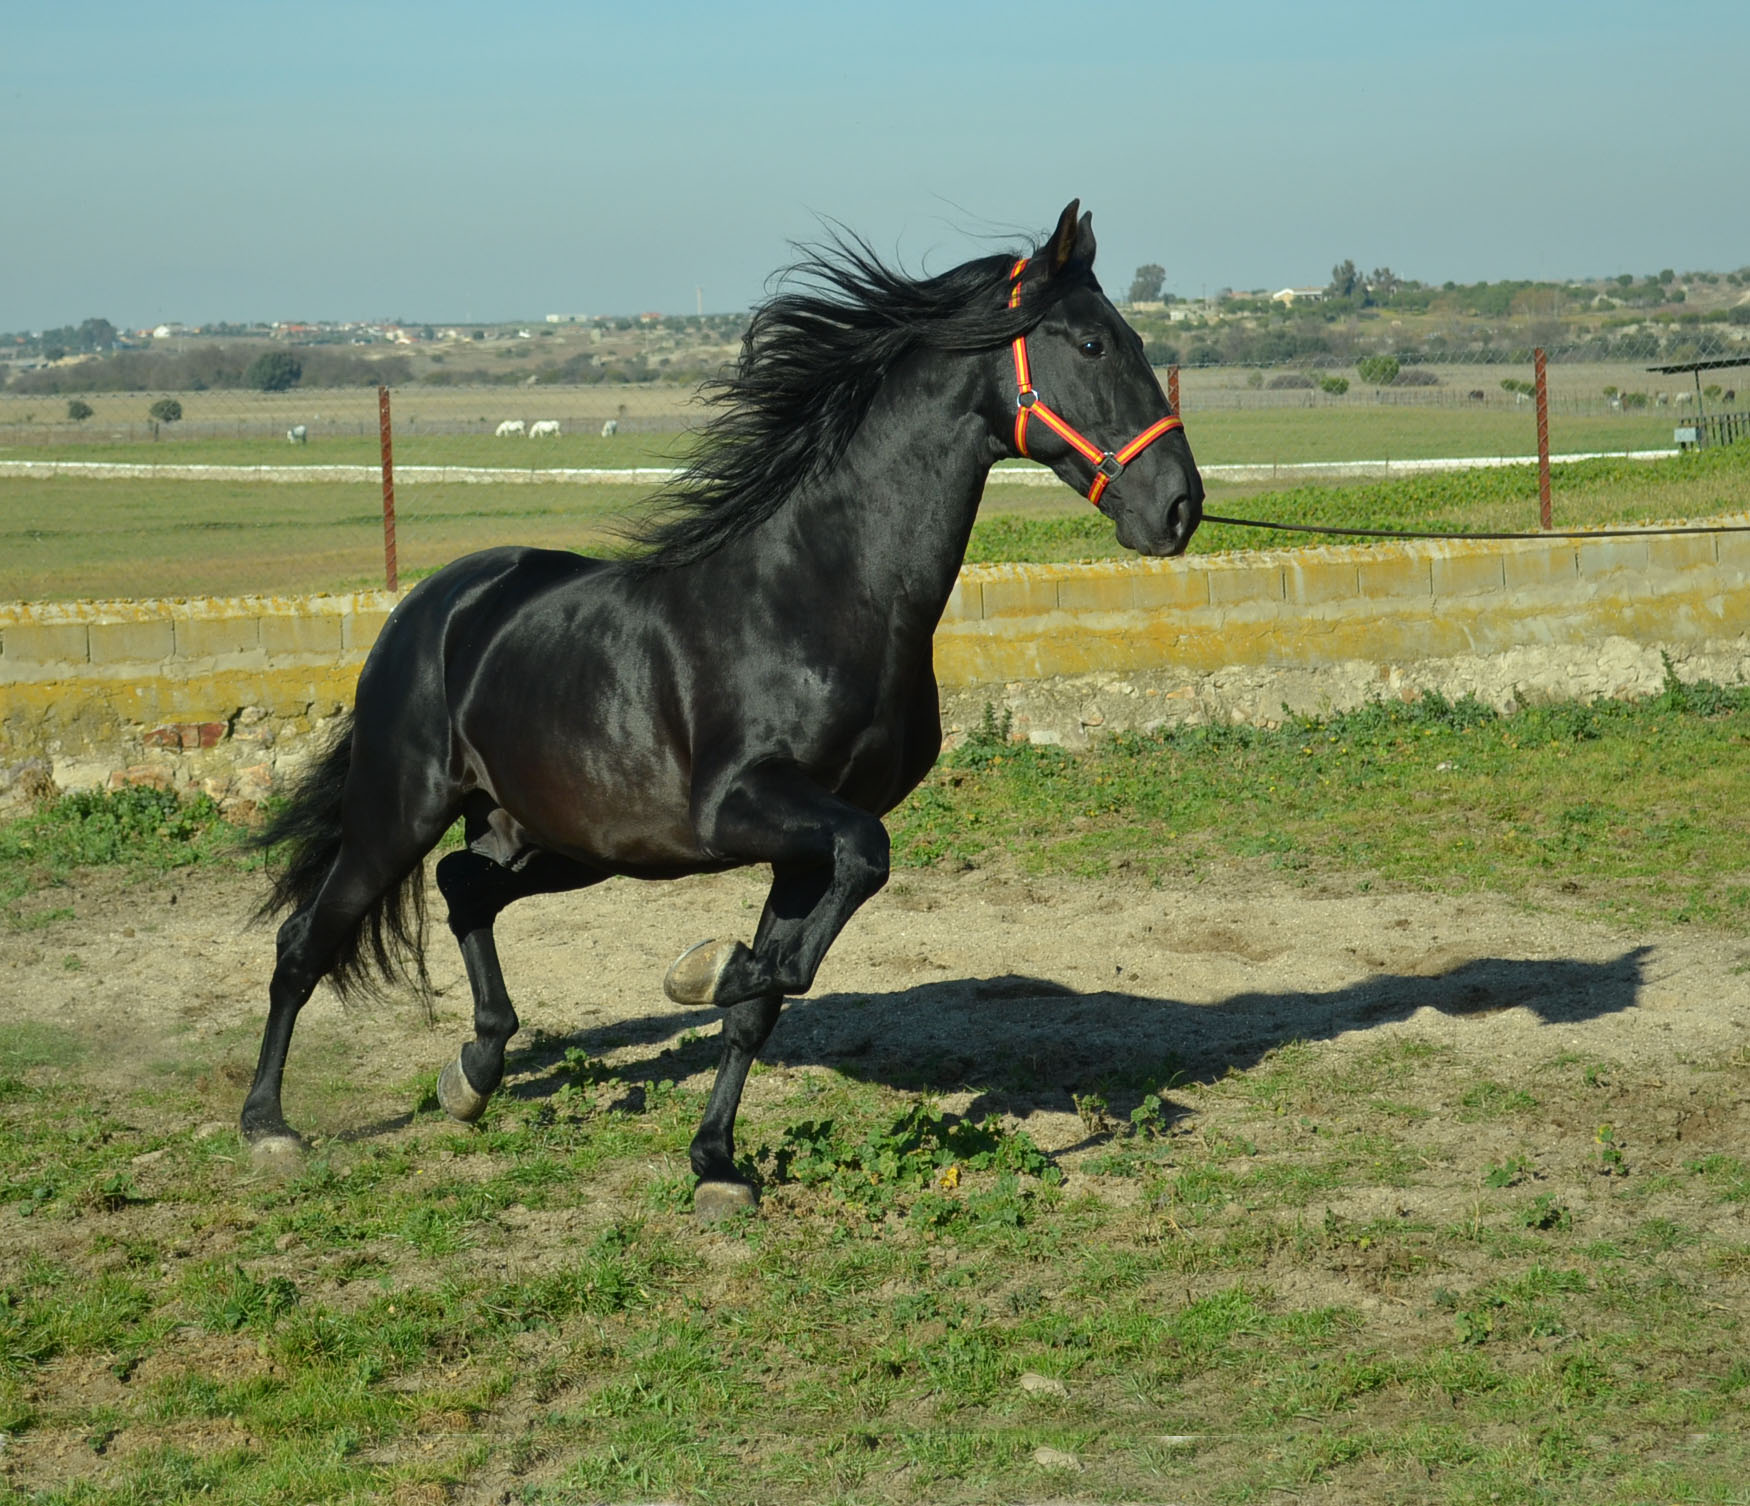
(1107, 464)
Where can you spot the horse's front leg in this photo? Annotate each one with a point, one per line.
(827, 858)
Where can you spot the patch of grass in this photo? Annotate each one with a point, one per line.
(1634, 807)
(865, 1337)
(137, 828)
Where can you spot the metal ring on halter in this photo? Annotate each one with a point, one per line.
(1110, 466)
(1026, 398)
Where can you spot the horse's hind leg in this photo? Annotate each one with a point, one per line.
(309, 945)
(476, 888)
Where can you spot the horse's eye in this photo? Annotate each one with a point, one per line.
(1093, 346)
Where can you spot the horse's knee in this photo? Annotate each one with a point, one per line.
(865, 856)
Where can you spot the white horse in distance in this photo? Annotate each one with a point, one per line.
(508, 427)
(297, 434)
(610, 428)
(547, 428)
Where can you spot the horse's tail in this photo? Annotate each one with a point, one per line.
(387, 942)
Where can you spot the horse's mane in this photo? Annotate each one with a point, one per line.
(814, 358)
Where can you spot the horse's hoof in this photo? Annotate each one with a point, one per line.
(456, 1095)
(697, 972)
(276, 1155)
(715, 1201)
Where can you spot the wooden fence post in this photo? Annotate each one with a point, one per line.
(385, 430)
(1543, 507)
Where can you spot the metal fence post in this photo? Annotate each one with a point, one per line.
(1543, 508)
(385, 430)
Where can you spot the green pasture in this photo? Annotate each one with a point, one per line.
(1584, 494)
(1547, 1304)
(68, 539)
(1348, 430)
(71, 538)
(579, 451)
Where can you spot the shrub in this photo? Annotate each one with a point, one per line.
(273, 371)
(1377, 371)
(165, 411)
(79, 410)
(1335, 385)
(1287, 379)
(1415, 376)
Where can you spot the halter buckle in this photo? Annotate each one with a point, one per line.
(1026, 398)
(1110, 466)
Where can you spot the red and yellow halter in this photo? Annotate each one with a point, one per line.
(1107, 464)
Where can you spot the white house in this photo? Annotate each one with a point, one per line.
(1291, 296)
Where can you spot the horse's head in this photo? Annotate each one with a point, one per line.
(1088, 404)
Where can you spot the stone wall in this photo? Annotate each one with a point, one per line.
(224, 694)
(201, 693)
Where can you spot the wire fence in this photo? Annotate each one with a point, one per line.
(1233, 367)
(528, 460)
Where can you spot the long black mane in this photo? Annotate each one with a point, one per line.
(812, 362)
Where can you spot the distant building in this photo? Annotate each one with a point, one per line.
(1288, 297)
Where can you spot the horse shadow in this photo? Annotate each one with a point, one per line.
(1019, 1044)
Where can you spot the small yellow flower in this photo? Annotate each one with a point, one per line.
(950, 1178)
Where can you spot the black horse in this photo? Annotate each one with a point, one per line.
(755, 687)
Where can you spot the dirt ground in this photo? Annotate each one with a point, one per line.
(950, 980)
(968, 983)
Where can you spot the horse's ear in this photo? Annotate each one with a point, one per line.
(1073, 240)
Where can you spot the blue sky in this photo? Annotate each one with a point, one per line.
(449, 161)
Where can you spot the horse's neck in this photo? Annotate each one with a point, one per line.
(900, 506)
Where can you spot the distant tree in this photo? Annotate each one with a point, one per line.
(96, 334)
(273, 371)
(1377, 371)
(165, 411)
(1344, 280)
(1667, 276)
(53, 353)
(1335, 385)
(1145, 287)
(1382, 282)
(79, 410)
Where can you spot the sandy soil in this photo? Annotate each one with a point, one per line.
(951, 980)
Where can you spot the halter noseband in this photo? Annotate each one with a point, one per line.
(1107, 464)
